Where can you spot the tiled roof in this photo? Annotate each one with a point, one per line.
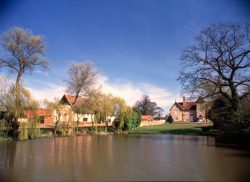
(146, 117)
(38, 112)
(71, 100)
(187, 105)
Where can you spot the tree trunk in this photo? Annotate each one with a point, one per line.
(77, 123)
(106, 127)
(235, 98)
(55, 130)
(17, 109)
(106, 123)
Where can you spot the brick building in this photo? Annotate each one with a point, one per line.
(42, 116)
(185, 112)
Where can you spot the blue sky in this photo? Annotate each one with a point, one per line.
(136, 44)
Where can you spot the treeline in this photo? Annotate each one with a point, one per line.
(22, 52)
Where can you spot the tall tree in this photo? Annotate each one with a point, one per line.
(122, 112)
(21, 52)
(146, 106)
(81, 82)
(81, 79)
(218, 63)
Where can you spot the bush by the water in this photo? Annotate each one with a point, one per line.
(127, 121)
(135, 120)
(169, 119)
(226, 119)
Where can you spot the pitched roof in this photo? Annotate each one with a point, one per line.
(146, 117)
(70, 99)
(185, 107)
(38, 112)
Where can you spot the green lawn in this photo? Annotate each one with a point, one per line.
(184, 129)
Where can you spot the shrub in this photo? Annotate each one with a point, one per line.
(225, 119)
(169, 119)
(135, 120)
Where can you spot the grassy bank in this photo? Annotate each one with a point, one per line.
(181, 129)
(3, 138)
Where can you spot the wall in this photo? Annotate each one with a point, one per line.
(150, 123)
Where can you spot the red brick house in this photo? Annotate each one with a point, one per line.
(147, 118)
(43, 116)
(185, 112)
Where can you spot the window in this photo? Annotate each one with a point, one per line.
(41, 119)
(65, 114)
(85, 119)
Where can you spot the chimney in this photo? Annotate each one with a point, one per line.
(184, 101)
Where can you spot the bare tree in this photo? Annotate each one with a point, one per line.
(146, 106)
(81, 82)
(82, 79)
(218, 63)
(21, 51)
(158, 112)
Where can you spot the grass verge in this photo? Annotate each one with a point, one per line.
(180, 129)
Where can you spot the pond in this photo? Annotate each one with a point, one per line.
(122, 157)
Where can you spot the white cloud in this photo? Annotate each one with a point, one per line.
(125, 89)
(51, 92)
(132, 92)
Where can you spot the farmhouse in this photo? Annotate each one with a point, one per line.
(65, 112)
(185, 112)
(42, 116)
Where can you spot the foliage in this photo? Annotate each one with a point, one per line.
(243, 115)
(170, 119)
(62, 129)
(3, 128)
(21, 52)
(23, 133)
(227, 120)
(55, 106)
(123, 114)
(135, 120)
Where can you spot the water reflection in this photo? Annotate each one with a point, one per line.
(133, 157)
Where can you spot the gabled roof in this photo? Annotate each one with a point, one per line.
(185, 107)
(69, 99)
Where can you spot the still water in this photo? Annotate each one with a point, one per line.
(131, 157)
